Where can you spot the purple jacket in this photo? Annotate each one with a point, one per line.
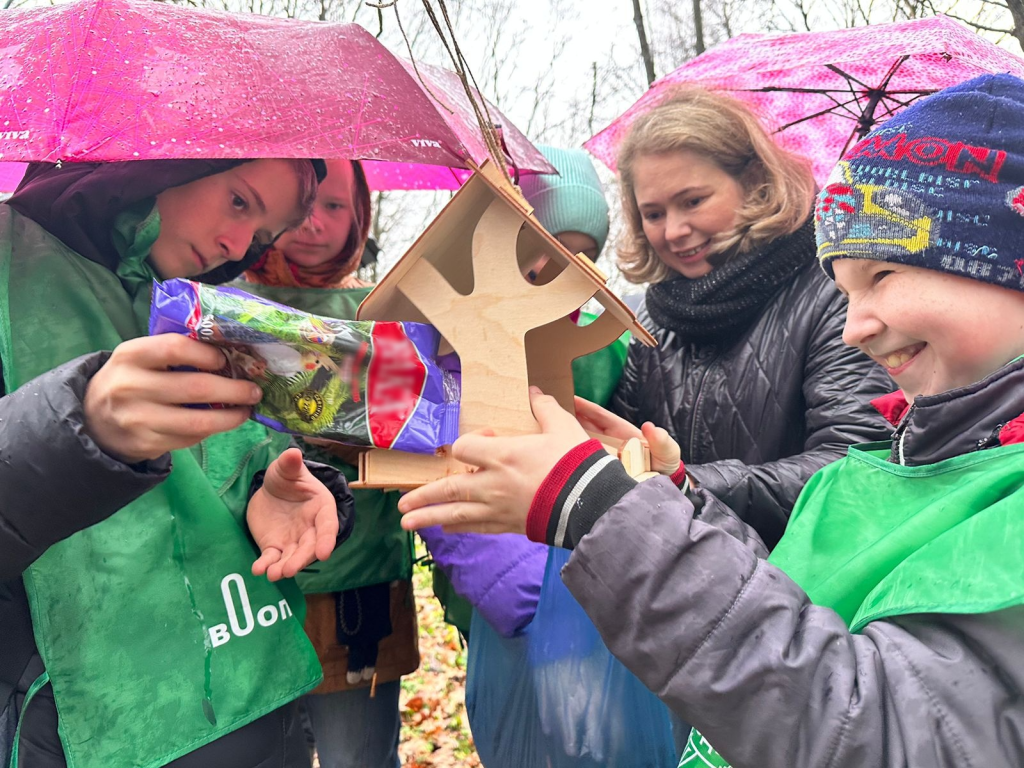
(499, 574)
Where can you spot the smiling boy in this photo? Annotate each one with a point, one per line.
(887, 629)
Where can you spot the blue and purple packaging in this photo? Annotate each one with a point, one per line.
(373, 384)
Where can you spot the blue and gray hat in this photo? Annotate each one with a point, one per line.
(939, 186)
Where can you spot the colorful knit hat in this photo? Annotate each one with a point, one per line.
(574, 200)
(939, 186)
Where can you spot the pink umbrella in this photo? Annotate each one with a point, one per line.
(10, 177)
(445, 90)
(107, 80)
(821, 90)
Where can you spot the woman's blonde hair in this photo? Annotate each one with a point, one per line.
(778, 185)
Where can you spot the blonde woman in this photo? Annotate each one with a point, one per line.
(750, 375)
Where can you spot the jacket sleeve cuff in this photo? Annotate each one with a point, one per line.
(54, 479)
(680, 479)
(581, 487)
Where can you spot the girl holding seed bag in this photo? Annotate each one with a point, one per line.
(147, 605)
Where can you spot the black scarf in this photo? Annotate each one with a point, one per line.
(726, 301)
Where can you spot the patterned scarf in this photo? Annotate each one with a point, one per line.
(275, 270)
(726, 301)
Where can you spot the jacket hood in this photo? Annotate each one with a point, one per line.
(78, 203)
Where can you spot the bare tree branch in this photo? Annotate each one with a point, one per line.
(645, 49)
(976, 25)
(593, 101)
(698, 28)
(1016, 8)
(804, 15)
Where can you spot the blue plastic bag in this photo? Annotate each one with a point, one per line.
(554, 696)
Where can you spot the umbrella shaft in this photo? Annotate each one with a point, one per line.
(866, 121)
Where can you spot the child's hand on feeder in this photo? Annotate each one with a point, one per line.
(496, 497)
(293, 518)
(665, 452)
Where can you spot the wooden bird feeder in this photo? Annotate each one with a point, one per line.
(465, 276)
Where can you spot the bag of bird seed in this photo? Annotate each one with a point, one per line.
(374, 384)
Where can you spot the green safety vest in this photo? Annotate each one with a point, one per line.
(595, 376)
(155, 635)
(872, 540)
(378, 550)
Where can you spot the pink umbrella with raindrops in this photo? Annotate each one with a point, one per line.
(114, 80)
(820, 91)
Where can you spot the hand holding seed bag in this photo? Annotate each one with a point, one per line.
(133, 403)
(133, 411)
(361, 383)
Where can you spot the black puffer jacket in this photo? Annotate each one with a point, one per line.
(757, 417)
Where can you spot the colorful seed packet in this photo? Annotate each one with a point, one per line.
(373, 384)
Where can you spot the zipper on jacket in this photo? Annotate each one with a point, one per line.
(696, 401)
(899, 435)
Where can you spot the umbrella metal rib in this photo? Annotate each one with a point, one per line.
(867, 98)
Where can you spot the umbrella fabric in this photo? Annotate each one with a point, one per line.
(111, 80)
(445, 90)
(814, 88)
(10, 176)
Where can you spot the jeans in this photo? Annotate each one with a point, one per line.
(352, 730)
(680, 732)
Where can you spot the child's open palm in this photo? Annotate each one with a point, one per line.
(293, 518)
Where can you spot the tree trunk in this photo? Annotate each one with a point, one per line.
(645, 49)
(698, 28)
(1017, 12)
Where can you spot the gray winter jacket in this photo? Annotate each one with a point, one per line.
(685, 599)
(54, 482)
(756, 417)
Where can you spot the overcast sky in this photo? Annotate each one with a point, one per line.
(584, 32)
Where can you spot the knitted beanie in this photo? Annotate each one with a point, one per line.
(939, 186)
(573, 201)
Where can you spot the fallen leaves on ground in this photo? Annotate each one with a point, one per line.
(435, 730)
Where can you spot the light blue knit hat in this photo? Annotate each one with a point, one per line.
(574, 200)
